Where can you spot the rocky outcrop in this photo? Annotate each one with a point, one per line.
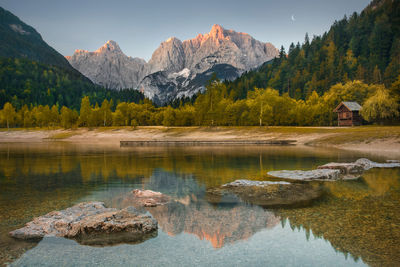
(91, 223)
(334, 171)
(169, 57)
(265, 194)
(176, 69)
(163, 87)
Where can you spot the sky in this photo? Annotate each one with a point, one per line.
(139, 26)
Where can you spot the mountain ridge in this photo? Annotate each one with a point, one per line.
(110, 67)
(19, 40)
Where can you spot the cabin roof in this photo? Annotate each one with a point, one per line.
(352, 106)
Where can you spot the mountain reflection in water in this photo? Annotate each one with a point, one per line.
(359, 218)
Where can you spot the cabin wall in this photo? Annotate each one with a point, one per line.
(349, 118)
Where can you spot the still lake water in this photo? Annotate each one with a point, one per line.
(356, 223)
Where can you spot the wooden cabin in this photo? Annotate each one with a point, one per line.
(348, 114)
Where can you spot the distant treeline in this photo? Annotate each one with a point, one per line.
(215, 107)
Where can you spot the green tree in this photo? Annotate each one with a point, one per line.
(380, 106)
(54, 116)
(68, 117)
(85, 112)
(169, 116)
(106, 112)
(9, 114)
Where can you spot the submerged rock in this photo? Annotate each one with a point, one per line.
(91, 223)
(148, 198)
(319, 174)
(265, 194)
(368, 164)
(141, 199)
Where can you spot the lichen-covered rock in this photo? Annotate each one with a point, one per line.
(252, 183)
(319, 174)
(91, 223)
(265, 194)
(335, 171)
(347, 170)
(368, 164)
(113, 227)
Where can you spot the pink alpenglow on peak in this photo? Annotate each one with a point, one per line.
(109, 46)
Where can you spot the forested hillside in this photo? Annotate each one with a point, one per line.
(363, 47)
(23, 81)
(33, 73)
(19, 40)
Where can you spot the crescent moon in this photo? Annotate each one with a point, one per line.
(293, 19)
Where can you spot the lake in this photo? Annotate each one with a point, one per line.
(355, 223)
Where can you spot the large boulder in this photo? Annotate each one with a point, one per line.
(264, 193)
(91, 223)
(319, 175)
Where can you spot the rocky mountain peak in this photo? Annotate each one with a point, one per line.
(169, 56)
(109, 46)
(109, 66)
(173, 40)
(217, 32)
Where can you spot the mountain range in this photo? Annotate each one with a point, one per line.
(176, 69)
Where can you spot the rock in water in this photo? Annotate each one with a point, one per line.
(91, 223)
(368, 164)
(320, 174)
(148, 198)
(265, 194)
(141, 199)
(114, 227)
(335, 171)
(347, 170)
(252, 183)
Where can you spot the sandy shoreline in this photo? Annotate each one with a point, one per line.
(375, 140)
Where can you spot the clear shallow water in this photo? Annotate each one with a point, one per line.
(356, 223)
